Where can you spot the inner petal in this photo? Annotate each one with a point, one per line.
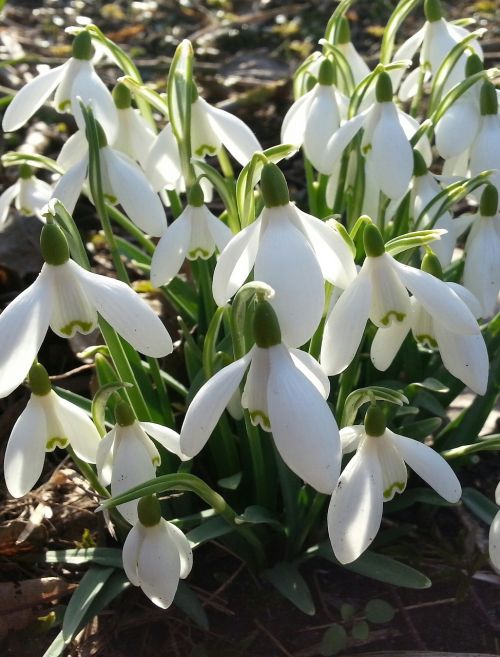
(72, 309)
(390, 300)
(254, 397)
(394, 474)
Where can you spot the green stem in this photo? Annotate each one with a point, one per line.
(260, 475)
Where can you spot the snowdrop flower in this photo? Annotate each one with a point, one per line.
(194, 234)
(75, 80)
(29, 194)
(494, 538)
(133, 137)
(292, 252)
(47, 422)
(123, 180)
(435, 39)
(315, 117)
(127, 457)
(465, 356)
(373, 476)
(482, 253)
(156, 554)
(385, 143)
(284, 392)
(68, 298)
(379, 293)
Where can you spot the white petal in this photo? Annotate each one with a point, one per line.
(345, 325)
(359, 67)
(208, 405)
(23, 325)
(409, 47)
(233, 133)
(350, 437)
(165, 436)
(391, 155)
(339, 141)
(182, 544)
(322, 122)
(32, 96)
(299, 299)
(457, 128)
(163, 167)
(387, 342)
(303, 427)
(159, 565)
(494, 541)
(310, 368)
(394, 474)
(78, 428)
(25, 451)
(33, 196)
(254, 396)
(69, 187)
(133, 136)
(72, 310)
(429, 465)
(131, 551)
(73, 151)
(465, 356)
(410, 85)
(467, 297)
(410, 127)
(134, 192)
(355, 511)
(438, 299)
(390, 301)
(104, 457)
(88, 87)
(124, 309)
(236, 262)
(484, 152)
(482, 264)
(295, 121)
(6, 199)
(221, 234)
(171, 250)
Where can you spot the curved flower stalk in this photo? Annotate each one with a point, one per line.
(29, 195)
(281, 245)
(373, 476)
(494, 536)
(482, 253)
(316, 116)
(435, 40)
(194, 234)
(465, 356)
(47, 422)
(74, 81)
(69, 298)
(379, 293)
(123, 181)
(385, 144)
(156, 554)
(127, 457)
(284, 392)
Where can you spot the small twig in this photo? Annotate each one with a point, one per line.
(224, 585)
(77, 370)
(271, 636)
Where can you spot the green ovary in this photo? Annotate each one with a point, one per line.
(386, 319)
(84, 327)
(396, 487)
(54, 442)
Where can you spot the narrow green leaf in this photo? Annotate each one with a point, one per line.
(111, 557)
(480, 505)
(259, 515)
(232, 482)
(210, 529)
(286, 578)
(422, 428)
(90, 586)
(188, 602)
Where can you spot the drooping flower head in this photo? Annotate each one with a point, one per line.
(29, 194)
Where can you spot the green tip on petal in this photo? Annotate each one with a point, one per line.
(195, 196)
(266, 328)
(489, 99)
(343, 33)
(54, 245)
(375, 423)
(124, 415)
(82, 46)
(432, 10)
(431, 265)
(326, 75)
(383, 90)
(373, 241)
(122, 96)
(419, 165)
(25, 171)
(273, 186)
(38, 380)
(488, 206)
(473, 65)
(149, 511)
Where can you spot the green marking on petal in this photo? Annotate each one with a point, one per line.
(54, 442)
(26, 212)
(198, 253)
(428, 340)
(386, 319)
(205, 149)
(112, 199)
(79, 324)
(156, 460)
(396, 487)
(366, 149)
(258, 417)
(66, 104)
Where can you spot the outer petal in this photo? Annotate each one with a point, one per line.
(295, 121)
(283, 257)
(345, 326)
(6, 199)
(79, 429)
(163, 167)
(406, 51)
(124, 309)
(438, 299)
(89, 87)
(69, 187)
(303, 427)
(165, 436)
(220, 233)
(339, 141)
(484, 153)
(25, 451)
(236, 262)
(131, 551)
(359, 67)
(171, 250)
(410, 127)
(134, 192)
(494, 541)
(482, 264)
(23, 325)
(355, 511)
(182, 544)
(104, 457)
(311, 369)
(350, 437)
(74, 150)
(387, 343)
(209, 404)
(32, 96)
(429, 465)
(233, 133)
(457, 128)
(159, 565)
(323, 121)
